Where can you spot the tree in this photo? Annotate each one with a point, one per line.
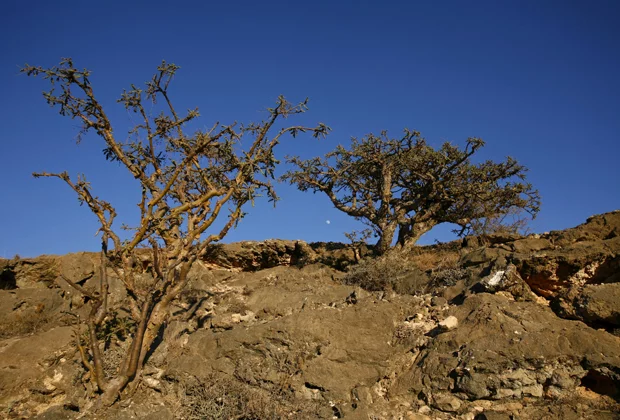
(185, 183)
(405, 185)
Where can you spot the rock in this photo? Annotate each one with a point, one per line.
(586, 254)
(152, 383)
(425, 409)
(323, 348)
(416, 416)
(600, 227)
(22, 361)
(40, 272)
(300, 332)
(493, 415)
(507, 280)
(449, 323)
(439, 301)
(529, 245)
(597, 305)
(56, 412)
(30, 310)
(504, 349)
(482, 256)
(446, 402)
(251, 255)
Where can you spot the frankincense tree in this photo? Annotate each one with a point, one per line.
(185, 182)
(408, 186)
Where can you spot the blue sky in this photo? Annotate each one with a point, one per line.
(538, 80)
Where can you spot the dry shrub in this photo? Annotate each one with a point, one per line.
(391, 271)
(25, 323)
(114, 357)
(442, 265)
(436, 260)
(224, 398)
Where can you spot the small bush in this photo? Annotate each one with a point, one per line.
(224, 398)
(391, 271)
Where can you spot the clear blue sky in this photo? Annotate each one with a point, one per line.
(538, 80)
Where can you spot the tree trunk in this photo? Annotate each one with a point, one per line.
(408, 235)
(386, 238)
(403, 232)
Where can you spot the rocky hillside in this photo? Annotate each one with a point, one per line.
(485, 328)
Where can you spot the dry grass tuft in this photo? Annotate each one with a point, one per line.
(435, 260)
(25, 323)
(391, 271)
(220, 398)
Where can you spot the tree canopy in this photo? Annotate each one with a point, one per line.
(408, 186)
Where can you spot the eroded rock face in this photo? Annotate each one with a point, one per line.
(557, 261)
(506, 349)
(253, 255)
(506, 280)
(595, 304)
(577, 270)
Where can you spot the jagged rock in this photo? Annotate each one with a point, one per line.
(506, 349)
(483, 255)
(493, 415)
(600, 227)
(23, 360)
(507, 280)
(586, 254)
(40, 272)
(446, 402)
(416, 416)
(597, 305)
(251, 255)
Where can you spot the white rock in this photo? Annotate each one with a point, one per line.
(449, 323)
(152, 383)
(495, 279)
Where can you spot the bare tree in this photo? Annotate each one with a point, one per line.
(185, 182)
(405, 185)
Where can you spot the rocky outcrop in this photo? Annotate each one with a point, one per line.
(506, 280)
(595, 304)
(524, 329)
(504, 349)
(576, 269)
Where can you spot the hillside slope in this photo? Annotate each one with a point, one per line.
(484, 328)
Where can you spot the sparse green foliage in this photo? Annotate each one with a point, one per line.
(186, 182)
(406, 185)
